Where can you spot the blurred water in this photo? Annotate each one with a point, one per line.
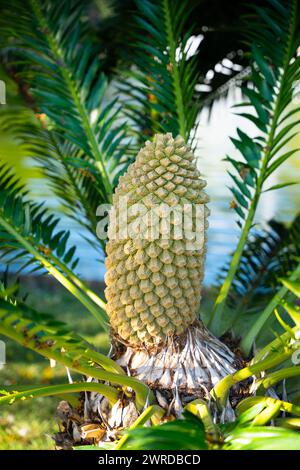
(214, 144)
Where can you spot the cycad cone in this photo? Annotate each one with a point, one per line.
(154, 281)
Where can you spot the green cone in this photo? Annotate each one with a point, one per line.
(154, 277)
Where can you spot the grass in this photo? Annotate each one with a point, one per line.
(30, 425)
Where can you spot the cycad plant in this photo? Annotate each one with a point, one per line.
(138, 148)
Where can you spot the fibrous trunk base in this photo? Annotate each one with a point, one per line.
(184, 368)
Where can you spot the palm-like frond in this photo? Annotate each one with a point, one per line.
(159, 89)
(48, 51)
(186, 434)
(290, 286)
(242, 434)
(29, 232)
(8, 397)
(274, 73)
(262, 438)
(47, 331)
(275, 69)
(47, 340)
(270, 253)
(269, 363)
(69, 175)
(221, 52)
(31, 220)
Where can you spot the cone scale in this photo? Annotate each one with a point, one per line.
(155, 266)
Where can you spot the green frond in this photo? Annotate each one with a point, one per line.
(250, 431)
(31, 220)
(65, 169)
(266, 402)
(262, 438)
(220, 392)
(185, 434)
(50, 54)
(159, 89)
(270, 253)
(247, 432)
(29, 236)
(275, 70)
(64, 348)
(44, 327)
(10, 397)
(290, 285)
(274, 353)
(283, 374)
(274, 74)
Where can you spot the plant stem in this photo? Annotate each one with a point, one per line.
(141, 390)
(150, 412)
(248, 340)
(220, 391)
(89, 213)
(274, 346)
(82, 296)
(174, 71)
(266, 415)
(74, 92)
(267, 154)
(78, 282)
(109, 392)
(200, 409)
(224, 291)
(247, 403)
(275, 377)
